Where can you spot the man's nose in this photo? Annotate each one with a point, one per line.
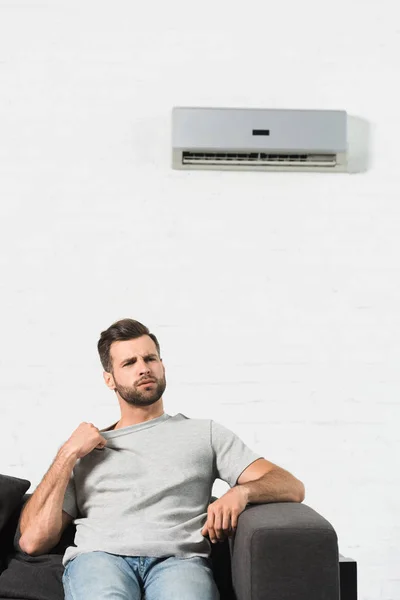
(144, 367)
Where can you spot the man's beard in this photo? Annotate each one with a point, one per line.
(142, 396)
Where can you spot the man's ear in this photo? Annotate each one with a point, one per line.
(109, 380)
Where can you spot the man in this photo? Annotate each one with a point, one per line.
(139, 490)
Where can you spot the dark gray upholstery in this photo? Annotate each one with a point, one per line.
(281, 551)
(284, 551)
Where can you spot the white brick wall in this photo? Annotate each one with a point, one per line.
(275, 296)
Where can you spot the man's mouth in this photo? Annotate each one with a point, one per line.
(146, 382)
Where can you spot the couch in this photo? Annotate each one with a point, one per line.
(281, 551)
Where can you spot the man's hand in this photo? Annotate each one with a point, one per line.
(223, 514)
(84, 439)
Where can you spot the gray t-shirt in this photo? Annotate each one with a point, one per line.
(146, 493)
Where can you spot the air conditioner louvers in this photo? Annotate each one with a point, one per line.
(258, 158)
(259, 139)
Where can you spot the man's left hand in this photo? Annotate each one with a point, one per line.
(223, 514)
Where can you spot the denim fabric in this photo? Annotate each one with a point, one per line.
(104, 576)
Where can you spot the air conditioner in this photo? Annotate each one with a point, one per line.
(259, 139)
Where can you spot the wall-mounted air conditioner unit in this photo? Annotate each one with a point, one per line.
(259, 139)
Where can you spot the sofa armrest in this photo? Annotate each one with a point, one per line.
(284, 551)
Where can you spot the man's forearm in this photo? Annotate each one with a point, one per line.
(42, 515)
(276, 486)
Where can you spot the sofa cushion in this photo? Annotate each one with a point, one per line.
(33, 577)
(12, 490)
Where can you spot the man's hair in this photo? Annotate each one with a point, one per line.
(125, 329)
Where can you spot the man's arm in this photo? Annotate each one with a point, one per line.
(42, 521)
(277, 485)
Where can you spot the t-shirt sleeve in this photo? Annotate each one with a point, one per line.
(70, 504)
(232, 456)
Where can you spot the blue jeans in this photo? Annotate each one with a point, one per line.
(103, 576)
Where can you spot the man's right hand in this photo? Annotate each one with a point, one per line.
(84, 439)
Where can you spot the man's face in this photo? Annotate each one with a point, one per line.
(134, 362)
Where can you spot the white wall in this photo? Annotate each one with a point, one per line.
(275, 297)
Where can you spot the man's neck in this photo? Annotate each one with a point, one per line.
(121, 424)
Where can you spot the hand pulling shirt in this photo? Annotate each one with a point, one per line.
(146, 493)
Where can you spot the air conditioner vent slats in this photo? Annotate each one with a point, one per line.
(258, 158)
